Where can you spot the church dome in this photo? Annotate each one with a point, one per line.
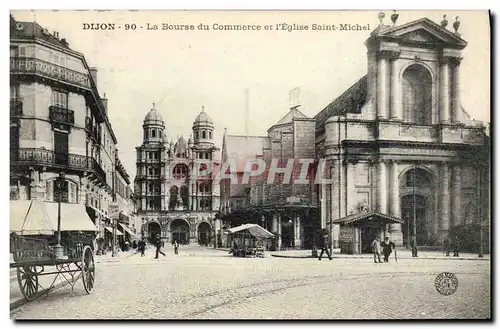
(153, 117)
(203, 118)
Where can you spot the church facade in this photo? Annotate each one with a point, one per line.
(397, 142)
(170, 200)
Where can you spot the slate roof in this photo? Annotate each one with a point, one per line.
(288, 118)
(32, 30)
(355, 218)
(351, 100)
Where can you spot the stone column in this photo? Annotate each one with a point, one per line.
(444, 93)
(395, 87)
(279, 231)
(395, 229)
(382, 187)
(323, 205)
(456, 109)
(457, 190)
(351, 187)
(297, 230)
(382, 85)
(343, 187)
(274, 225)
(444, 223)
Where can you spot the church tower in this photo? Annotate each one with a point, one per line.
(149, 187)
(206, 194)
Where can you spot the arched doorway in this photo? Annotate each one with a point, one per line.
(417, 95)
(153, 229)
(287, 232)
(204, 233)
(417, 205)
(179, 229)
(172, 203)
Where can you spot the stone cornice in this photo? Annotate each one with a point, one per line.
(388, 54)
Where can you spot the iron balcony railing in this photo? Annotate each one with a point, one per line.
(38, 156)
(29, 65)
(61, 115)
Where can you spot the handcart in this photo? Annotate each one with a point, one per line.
(35, 245)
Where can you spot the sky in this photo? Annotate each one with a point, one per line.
(181, 71)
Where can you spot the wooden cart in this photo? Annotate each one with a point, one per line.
(32, 253)
(248, 240)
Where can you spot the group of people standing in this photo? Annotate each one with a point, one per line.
(386, 248)
(158, 245)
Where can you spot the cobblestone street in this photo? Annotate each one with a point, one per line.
(209, 284)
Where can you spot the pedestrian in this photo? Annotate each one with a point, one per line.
(323, 243)
(387, 248)
(446, 244)
(376, 249)
(142, 246)
(456, 246)
(413, 245)
(158, 246)
(176, 247)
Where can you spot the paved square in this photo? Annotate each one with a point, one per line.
(209, 284)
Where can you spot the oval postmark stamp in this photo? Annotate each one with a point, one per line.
(446, 283)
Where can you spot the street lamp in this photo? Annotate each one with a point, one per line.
(58, 249)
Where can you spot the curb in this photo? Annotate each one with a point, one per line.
(354, 257)
(20, 302)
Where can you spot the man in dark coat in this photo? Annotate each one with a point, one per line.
(142, 246)
(413, 245)
(323, 244)
(158, 246)
(387, 248)
(456, 246)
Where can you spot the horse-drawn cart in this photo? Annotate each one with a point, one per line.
(35, 244)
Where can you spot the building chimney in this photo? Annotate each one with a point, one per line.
(104, 101)
(93, 73)
(65, 42)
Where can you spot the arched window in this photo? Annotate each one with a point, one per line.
(153, 133)
(146, 133)
(210, 134)
(180, 171)
(417, 95)
(150, 171)
(196, 136)
(422, 178)
(173, 198)
(203, 134)
(150, 187)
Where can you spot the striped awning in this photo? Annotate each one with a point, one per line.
(126, 229)
(370, 216)
(110, 230)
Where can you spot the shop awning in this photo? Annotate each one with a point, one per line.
(110, 230)
(367, 217)
(74, 217)
(29, 217)
(254, 229)
(126, 229)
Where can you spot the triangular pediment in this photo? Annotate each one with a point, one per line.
(424, 31)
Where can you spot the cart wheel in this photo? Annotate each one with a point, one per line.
(88, 269)
(27, 277)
